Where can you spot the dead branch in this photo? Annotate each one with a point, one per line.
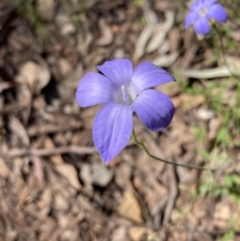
(79, 150)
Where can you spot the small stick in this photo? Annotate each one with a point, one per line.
(80, 150)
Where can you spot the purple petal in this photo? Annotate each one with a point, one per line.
(218, 13)
(209, 3)
(112, 129)
(202, 26)
(93, 89)
(196, 6)
(190, 18)
(155, 109)
(147, 75)
(118, 71)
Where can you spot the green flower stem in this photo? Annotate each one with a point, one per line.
(218, 32)
(141, 144)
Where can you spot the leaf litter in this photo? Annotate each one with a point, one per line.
(53, 183)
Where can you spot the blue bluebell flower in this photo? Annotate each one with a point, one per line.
(124, 91)
(202, 12)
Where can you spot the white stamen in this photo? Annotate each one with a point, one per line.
(203, 12)
(125, 95)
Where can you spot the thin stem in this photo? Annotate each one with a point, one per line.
(223, 50)
(141, 144)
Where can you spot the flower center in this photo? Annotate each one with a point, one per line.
(203, 12)
(125, 95)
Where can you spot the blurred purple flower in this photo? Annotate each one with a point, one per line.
(124, 91)
(202, 12)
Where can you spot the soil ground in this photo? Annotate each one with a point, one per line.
(53, 184)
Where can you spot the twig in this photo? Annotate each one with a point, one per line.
(38, 130)
(218, 72)
(79, 150)
(172, 194)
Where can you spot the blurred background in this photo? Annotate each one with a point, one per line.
(53, 184)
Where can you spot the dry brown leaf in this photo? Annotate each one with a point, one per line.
(130, 207)
(44, 204)
(19, 130)
(235, 35)
(24, 97)
(86, 174)
(46, 9)
(166, 60)
(38, 169)
(4, 170)
(72, 80)
(37, 76)
(97, 174)
(171, 89)
(222, 215)
(4, 86)
(205, 113)
(152, 37)
(142, 41)
(214, 126)
(136, 233)
(164, 48)
(20, 39)
(56, 159)
(70, 173)
(188, 102)
(1, 109)
(65, 24)
(68, 221)
(64, 68)
(123, 174)
(60, 202)
(160, 32)
(233, 63)
(106, 34)
(119, 234)
(101, 174)
(83, 42)
(47, 228)
(174, 39)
